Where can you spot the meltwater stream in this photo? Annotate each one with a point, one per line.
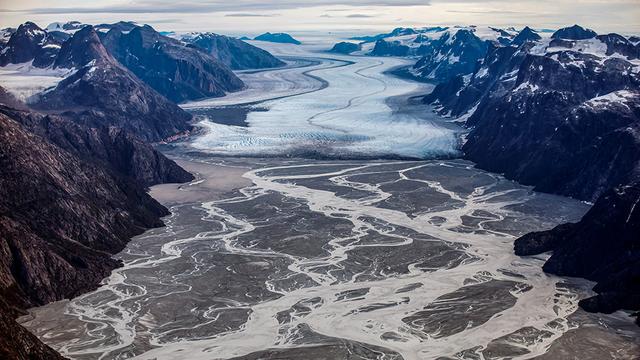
(392, 260)
(335, 259)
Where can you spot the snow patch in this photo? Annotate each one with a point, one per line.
(527, 86)
(482, 72)
(612, 98)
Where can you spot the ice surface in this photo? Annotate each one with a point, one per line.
(24, 80)
(342, 112)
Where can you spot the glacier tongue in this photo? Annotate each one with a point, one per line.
(340, 108)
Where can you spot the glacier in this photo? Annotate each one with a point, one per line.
(336, 107)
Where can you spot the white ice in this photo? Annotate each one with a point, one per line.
(350, 117)
(24, 80)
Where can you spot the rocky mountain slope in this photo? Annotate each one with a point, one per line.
(17, 342)
(451, 55)
(563, 114)
(102, 92)
(234, 53)
(109, 146)
(177, 71)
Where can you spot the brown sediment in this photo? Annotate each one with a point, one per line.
(212, 181)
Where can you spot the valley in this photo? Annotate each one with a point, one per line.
(335, 221)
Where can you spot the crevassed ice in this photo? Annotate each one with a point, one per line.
(349, 118)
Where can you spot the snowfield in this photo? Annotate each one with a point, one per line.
(24, 81)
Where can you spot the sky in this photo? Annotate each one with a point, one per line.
(239, 17)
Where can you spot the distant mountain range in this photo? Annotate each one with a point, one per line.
(188, 68)
(345, 48)
(277, 38)
(235, 53)
(442, 52)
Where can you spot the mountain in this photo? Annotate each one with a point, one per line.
(277, 38)
(458, 96)
(603, 247)
(575, 32)
(345, 48)
(234, 53)
(526, 35)
(177, 71)
(400, 31)
(91, 84)
(566, 124)
(122, 26)
(111, 147)
(390, 48)
(563, 115)
(444, 52)
(450, 55)
(30, 43)
(103, 92)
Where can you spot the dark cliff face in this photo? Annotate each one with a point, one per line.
(567, 126)
(104, 93)
(30, 43)
(62, 217)
(234, 53)
(604, 247)
(112, 147)
(170, 67)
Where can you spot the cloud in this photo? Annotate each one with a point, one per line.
(359, 16)
(487, 12)
(250, 15)
(202, 6)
